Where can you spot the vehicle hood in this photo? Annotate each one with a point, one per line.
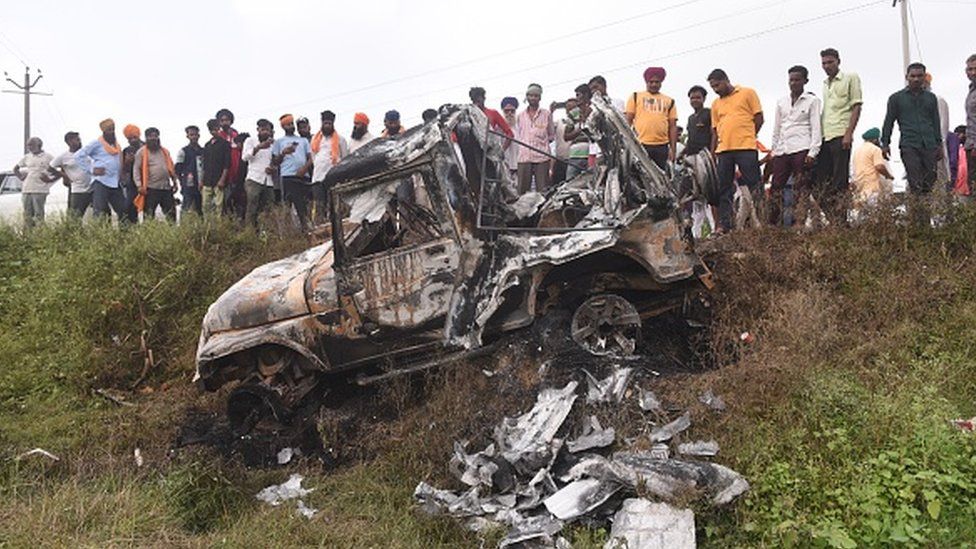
(270, 293)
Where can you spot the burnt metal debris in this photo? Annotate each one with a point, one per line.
(429, 258)
(532, 483)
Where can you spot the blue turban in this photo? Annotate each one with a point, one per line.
(510, 101)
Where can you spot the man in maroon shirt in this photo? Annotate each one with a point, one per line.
(236, 197)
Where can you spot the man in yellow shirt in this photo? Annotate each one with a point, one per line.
(737, 117)
(869, 167)
(654, 118)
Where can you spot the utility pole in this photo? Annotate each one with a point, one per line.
(27, 90)
(905, 50)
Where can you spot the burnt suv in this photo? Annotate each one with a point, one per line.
(430, 256)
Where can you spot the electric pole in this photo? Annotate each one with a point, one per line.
(27, 90)
(905, 50)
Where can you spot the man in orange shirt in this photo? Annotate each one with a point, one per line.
(737, 117)
(654, 118)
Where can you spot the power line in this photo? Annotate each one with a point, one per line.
(681, 53)
(11, 47)
(631, 42)
(740, 38)
(495, 55)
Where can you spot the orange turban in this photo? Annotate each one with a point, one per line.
(131, 131)
(106, 124)
(286, 119)
(361, 118)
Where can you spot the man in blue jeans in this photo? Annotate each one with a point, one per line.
(737, 117)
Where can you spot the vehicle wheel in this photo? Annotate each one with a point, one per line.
(253, 403)
(607, 325)
(280, 383)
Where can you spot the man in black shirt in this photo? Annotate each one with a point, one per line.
(131, 133)
(699, 123)
(216, 163)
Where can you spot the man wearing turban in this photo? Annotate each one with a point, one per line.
(509, 107)
(328, 148)
(104, 158)
(391, 125)
(360, 131)
(654, 117)
(869, 167)
(131, 133)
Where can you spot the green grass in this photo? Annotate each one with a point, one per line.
(838, 413)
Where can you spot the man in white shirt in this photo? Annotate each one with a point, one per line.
(328, 148)
(560, 145)
(33, 171)
(360, 131)
(75, 175)
(797, 137)
(259, 183)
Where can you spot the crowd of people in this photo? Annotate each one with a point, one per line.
(241, 175)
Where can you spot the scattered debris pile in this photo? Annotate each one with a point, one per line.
(533, 482)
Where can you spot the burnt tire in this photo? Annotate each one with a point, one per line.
(251, 404)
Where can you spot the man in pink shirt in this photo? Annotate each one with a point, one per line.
(534, 127)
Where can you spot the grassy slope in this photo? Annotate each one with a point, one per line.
(837, 413)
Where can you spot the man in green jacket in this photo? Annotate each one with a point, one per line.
(917, 112)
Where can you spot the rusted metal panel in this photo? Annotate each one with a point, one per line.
(406, 288)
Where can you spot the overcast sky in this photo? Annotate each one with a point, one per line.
(169, 64)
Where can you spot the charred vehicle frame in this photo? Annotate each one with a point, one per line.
(430, 257)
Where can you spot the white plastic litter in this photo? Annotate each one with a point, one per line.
(640, 524)
(276, 494)
(285, 455)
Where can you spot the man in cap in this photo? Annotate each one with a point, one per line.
(155, 177)
(104, 158)
(328, 148)
(842, 101)
(797, 137)
(75, 175)
(293, 155)
(654, 117)
(917, 112)
(509, 107)
(391, 125)
(869, 167)
(303, 127)
(132, 133)
(535, 128)
(360, 131)
(737, 117)
(259, 183)
(32, 169)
